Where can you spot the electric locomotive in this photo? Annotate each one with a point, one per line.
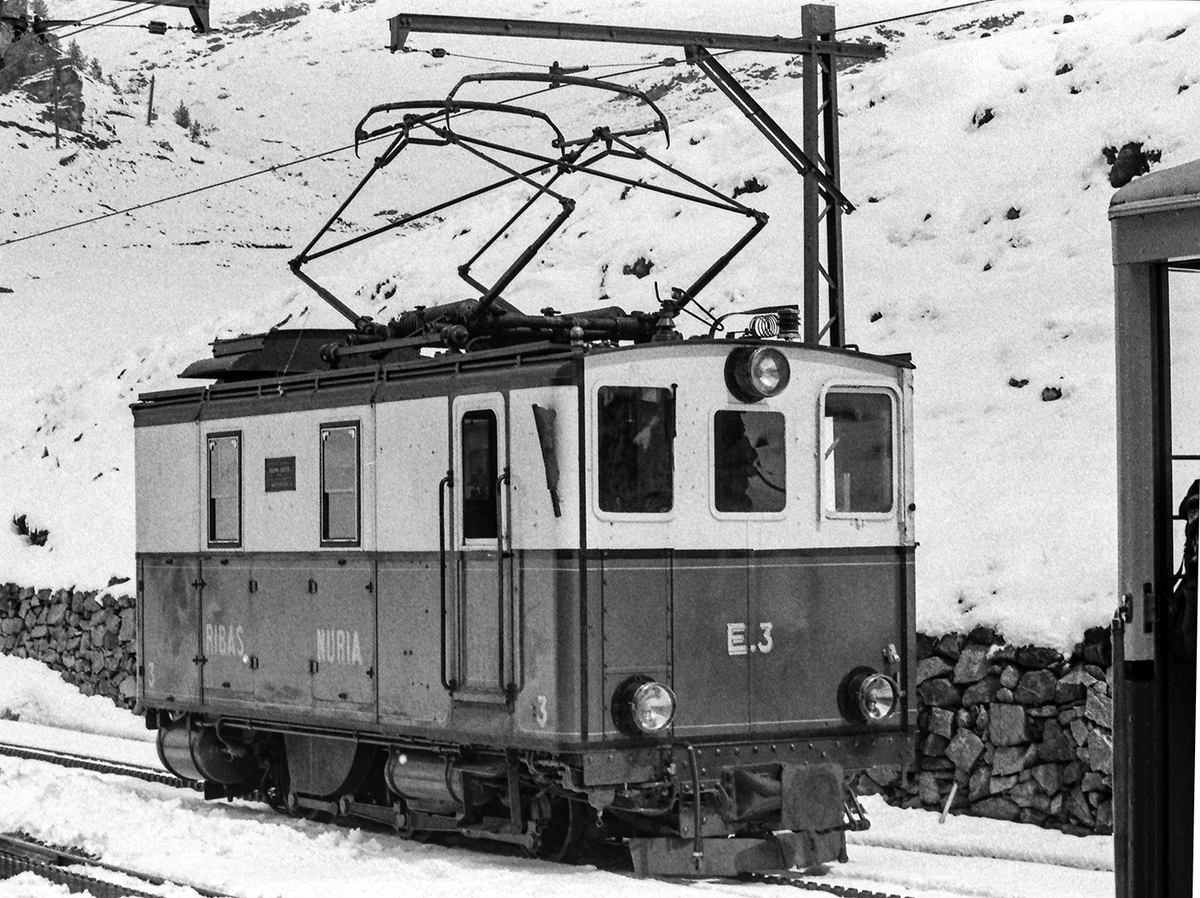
(664, 588)
(536, 578)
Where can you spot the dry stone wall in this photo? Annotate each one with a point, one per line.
(89, 637)
(1013, 733)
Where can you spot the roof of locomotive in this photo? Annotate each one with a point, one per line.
(448, 363)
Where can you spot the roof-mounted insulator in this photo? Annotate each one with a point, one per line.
(557, 71)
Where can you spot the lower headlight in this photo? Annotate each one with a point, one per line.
(642, 707)
(867, 696)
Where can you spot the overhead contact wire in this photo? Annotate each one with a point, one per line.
(135, 12)
(184, 194)
(914, 15)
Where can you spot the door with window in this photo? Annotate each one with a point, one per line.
(480, 629)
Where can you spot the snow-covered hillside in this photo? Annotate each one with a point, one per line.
(981, 247)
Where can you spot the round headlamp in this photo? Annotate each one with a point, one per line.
(754, 373)
(867, 696)
(642, 707)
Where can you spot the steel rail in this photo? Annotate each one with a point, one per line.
(808, 885)
(97, 765)
(20, 855)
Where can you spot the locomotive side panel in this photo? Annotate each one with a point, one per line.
(168, 647)
(544, 453)
(281, 610)
(228, 619)
(547, 704)
(307, 476)
(411, 458)
(167, 487)
(167, 493)
(410, 663)
(342, 654)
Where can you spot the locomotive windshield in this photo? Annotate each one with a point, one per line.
(636, 429)
(750, 471)
(857, 454)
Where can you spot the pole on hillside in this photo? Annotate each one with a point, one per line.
(57, 73)
(150, 105)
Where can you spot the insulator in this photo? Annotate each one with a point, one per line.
(789, 323)
(406, 323)
(157, 27)
(763, 326)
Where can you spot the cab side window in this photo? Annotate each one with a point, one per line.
(225, 489)
(636, 435)
(749, 461)
(339, 484)
(480, 471)
(857, 452)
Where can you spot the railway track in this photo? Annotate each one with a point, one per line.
(98, 765)
(20, 854)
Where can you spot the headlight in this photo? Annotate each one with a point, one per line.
(754, 373)
(866, 696)
(642, 707)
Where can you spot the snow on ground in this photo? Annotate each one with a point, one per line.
(245, 850)
(32, 693)
(981, 249)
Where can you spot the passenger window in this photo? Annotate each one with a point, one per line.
(225, 489)
(636, 433)
(339, 483)
(479, 467)
(857, 452)
(750, 463)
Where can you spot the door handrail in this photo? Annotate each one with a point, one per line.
(503, 521)
(447, 482)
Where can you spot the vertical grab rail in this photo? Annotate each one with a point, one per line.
(447, 482)
(501, 521)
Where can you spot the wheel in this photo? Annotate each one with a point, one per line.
(556, 823)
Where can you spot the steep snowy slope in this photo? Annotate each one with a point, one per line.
(974, 152)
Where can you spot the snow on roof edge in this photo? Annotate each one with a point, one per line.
(1178, 185)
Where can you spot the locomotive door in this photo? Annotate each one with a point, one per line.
(482, 587)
